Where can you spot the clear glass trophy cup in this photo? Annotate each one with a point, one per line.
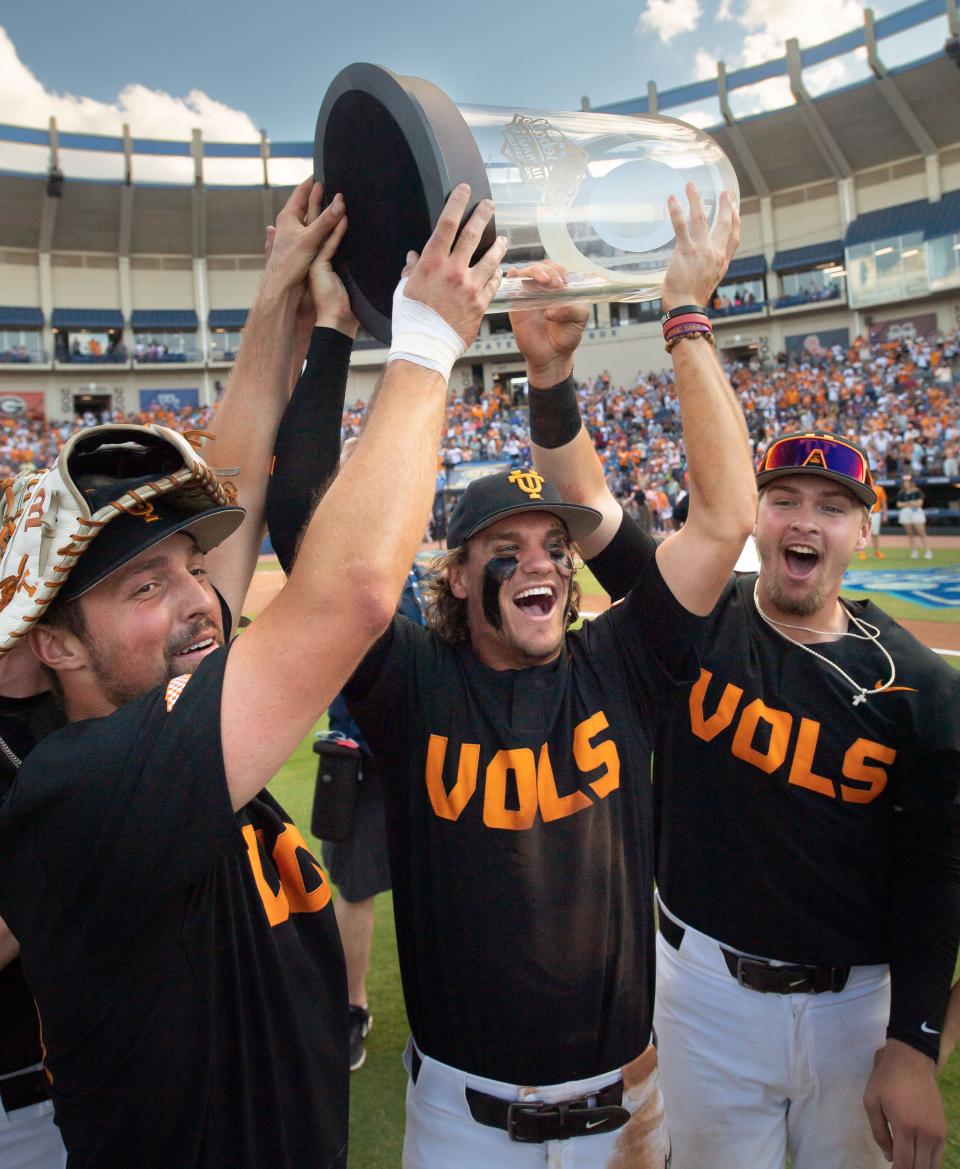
(587, 190)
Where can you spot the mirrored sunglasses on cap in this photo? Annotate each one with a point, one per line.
(821, 453)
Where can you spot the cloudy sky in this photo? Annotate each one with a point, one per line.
(233, 68)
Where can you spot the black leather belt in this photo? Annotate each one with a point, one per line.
(23, 1090)
(534, 1123)
(765, 977)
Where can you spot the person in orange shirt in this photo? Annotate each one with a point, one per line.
(878, 516)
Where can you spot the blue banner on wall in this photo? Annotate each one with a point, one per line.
(934, 588)
(169, 399)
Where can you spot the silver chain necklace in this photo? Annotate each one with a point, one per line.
(10, 754)
(867, 632)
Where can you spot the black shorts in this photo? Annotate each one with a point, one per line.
(359, 866)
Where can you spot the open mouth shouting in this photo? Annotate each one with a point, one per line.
(800, 560)
(538, 601)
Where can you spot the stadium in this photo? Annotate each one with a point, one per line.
(127, 267)
(117, 292)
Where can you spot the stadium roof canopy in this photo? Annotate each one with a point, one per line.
(227, 318)
(932, 219)
(161, 319)
(799, 259)
(745, 268)
(87, 318)
(20, 318)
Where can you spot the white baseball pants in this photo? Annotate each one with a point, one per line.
(29, 1139)
(748, 1077)
(442, 1134)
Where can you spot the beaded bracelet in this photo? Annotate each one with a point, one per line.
(707, 335)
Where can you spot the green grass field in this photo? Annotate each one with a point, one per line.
(377, 1090)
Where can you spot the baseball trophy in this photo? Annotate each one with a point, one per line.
(587, 190)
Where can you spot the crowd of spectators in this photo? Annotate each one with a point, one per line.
(899, 399)
(17, 354)
(740, 298)
(27, 440)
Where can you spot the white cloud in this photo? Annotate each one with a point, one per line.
(150, 113)
(767, 25)
(704, 65)
(669, 18)
(811, 21)
(702, 118)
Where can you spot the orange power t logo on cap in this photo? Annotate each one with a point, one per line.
(529, 481)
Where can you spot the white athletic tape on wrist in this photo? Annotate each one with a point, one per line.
(422, 336)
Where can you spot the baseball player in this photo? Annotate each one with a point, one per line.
(808, 863)
(878, 516)
(28, 710)
(28, 1136)
(176, 933)
(520, 825)
(912, 516)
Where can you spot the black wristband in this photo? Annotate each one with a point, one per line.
(554, 415)
(682, 310)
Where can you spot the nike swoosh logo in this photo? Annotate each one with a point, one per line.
(798, 982)
(890, 689)
(928, 1030)
(593, 1124)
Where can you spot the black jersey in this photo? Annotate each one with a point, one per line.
(797, 826)
(19, 1026)
(910, 497)
(184, 958)
(519, 820)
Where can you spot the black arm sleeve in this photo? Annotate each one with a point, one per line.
(308, 442)
(924, 927)
(619, 565)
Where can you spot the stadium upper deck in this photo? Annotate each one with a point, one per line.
(126, 265)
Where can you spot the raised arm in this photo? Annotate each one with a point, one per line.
(901, 1098)
(697, 561)
(362, 538)
(246, 421)
(307, 449)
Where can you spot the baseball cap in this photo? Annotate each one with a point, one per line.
(113, 492)
(817, 452)
(507, 493)
(128, 535)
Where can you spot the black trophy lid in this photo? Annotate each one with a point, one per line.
(395, 147)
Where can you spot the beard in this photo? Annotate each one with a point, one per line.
(120, 691)
(796, 606)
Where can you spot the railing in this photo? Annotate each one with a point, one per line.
(738, 310)
(18, 357)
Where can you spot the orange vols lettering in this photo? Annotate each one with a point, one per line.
(276, 904)
(496, 814)
(552, 805)
(449, 805)
(779, 722)
(292, 896)
(591, 755)
(801, 770)
(708, 728)
(287, 853)
(856, 768)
